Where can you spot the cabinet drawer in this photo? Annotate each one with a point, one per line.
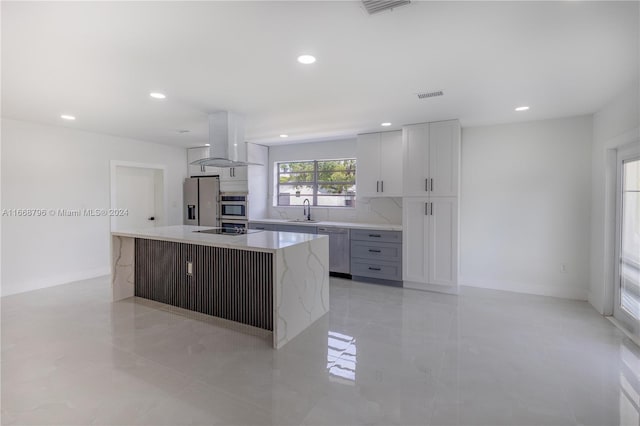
(263, 226)
(376, 269)
(376, 235)
(301, 229)
(391, 252)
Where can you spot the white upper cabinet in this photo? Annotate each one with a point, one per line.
(391, 164)
(368, 165)
(444, 158)
(199, 153)
(416, 159)
(234, 179)
(233, 174)
(379, 165)
(431, 159)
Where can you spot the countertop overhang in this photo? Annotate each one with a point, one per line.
(267, 241)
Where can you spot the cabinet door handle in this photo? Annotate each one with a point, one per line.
(374, 251)
(381, 186)
(426, 209)
(375, 235)
(426, 185)
(431, 184)
(377, 186)
(373, 269)
(431, 209)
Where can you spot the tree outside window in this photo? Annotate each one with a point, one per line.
(325, 183)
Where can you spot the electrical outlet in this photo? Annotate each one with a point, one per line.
(563, 268)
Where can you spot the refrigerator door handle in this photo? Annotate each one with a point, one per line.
(191, 212)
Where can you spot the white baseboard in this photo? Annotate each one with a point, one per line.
(431, 287)
(564, 292)
(52, 281)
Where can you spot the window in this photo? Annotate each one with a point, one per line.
(325, 183)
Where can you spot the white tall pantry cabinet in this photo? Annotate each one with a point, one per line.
(431, 184)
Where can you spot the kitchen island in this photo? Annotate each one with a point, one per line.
(275, 281)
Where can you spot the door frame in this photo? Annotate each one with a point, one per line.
(114, 164)
(625, 153)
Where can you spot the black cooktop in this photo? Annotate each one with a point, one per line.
(229, 231)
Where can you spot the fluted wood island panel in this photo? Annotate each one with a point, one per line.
(277, 281)
(236, 285)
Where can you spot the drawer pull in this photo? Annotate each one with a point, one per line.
(374, 251)
(375, 235)
(371, 268)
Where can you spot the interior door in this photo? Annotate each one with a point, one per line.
(443, 241)
(627, 277)
(136, 192)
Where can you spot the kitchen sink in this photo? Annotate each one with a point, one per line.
(302, 221)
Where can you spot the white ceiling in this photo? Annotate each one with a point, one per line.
(99, 61)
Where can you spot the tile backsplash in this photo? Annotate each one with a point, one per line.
(368, 210)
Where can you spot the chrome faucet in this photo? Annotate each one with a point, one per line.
(307, 209)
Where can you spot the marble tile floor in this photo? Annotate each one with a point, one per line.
(381, 356)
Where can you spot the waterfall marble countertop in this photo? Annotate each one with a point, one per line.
(265, 241)
(380, 226)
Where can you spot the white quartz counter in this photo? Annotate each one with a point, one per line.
(380, 226)
(268, 241)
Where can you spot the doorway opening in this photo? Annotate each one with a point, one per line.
(137, 196)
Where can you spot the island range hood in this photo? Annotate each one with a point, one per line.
(226, 139)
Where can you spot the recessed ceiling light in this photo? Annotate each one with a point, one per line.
(284, 136)
(207, 144)
(522, 108)
(306, 59)
(157, 95)
(387, 124)
(67, 117)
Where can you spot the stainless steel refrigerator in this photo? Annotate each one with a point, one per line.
(201, 201)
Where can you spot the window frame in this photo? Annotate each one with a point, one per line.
(315, 184)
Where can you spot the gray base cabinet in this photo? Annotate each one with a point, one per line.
(376, 256)
(370, 255)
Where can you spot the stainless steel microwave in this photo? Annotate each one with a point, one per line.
(233, 205)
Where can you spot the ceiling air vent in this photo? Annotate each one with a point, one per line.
(375, 6)
(425, 95)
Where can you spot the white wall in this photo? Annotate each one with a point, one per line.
(56, 167)
(524, 207)
(368, 210)
(615, 125)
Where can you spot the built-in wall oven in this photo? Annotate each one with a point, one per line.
(234, 211)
